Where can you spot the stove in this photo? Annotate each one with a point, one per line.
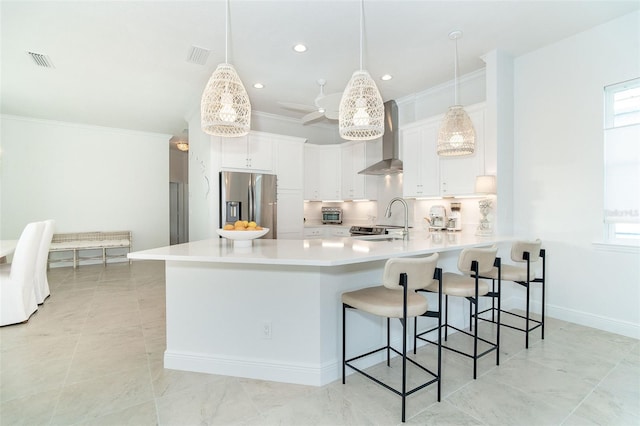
(373, 230)
(367, 230)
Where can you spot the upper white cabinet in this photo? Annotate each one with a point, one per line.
(290, 162)
(419, 159)
(428, 175)
(251, 152)
(357, 156)
(322, 167)
(458, 174)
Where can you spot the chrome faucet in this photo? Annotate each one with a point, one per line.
(387, 213)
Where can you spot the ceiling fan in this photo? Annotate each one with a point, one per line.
(325, 105)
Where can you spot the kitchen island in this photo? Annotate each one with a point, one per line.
(272, 311)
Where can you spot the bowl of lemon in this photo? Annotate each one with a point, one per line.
(242, 232)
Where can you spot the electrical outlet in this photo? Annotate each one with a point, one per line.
(266, 329)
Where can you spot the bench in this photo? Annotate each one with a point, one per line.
(76, 241)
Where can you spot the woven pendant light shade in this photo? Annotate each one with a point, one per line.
(225, 106)
(457, 135)
(361, 109)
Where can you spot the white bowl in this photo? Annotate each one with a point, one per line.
(242, 238)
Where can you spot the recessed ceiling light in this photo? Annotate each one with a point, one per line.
(300, 48)
(386, 77)
(258, 86)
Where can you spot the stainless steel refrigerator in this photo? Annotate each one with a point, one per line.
(250, 197)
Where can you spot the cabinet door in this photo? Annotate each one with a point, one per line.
(260, 152)
(420, 160)
(458, 174)
(329, 173)
(233, 153)
(290, 159)
(290, 214)
(311, 173)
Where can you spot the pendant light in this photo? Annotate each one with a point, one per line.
(225, 107)
(361, 112)
(457, 135)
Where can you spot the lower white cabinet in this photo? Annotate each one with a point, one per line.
(311, 233)
(326, 231)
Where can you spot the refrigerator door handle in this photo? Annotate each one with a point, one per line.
(252, 201)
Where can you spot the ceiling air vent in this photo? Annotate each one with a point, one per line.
(198, 55)
(41, 60)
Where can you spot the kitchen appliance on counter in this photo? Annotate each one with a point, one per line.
(437, 218)
(250, 197)
(454, 221)
(331, 215)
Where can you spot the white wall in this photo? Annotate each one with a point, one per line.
(202, 215)
(87, 178)
(558, 172)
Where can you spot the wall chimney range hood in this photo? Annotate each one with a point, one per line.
(391, 163)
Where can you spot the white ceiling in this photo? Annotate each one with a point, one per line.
(123, 63)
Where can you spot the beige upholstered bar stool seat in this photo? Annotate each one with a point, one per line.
(396, 298)
(473, 263)
(526, 255)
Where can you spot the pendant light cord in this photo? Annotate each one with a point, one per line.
(455, 74)
(361, 30)
(226, 33)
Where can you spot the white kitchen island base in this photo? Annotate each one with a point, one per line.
(271, 322)
(274, 311)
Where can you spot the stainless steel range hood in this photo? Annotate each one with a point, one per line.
(390, 145)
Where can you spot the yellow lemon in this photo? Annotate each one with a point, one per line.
(238, 223)
(252, 224)
(227, 227)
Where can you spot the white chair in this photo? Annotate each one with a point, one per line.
(396, 298)
(527, 254)
(17, 295)
(41, 280)
(475, 264)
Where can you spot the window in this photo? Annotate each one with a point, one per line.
(622, 160)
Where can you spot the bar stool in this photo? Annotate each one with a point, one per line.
(396, 298)
(474, 263)
(529, 253)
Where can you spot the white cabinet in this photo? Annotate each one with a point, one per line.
(420, 160)
(326, 231)
(290, 214)
(458, 174)
(428, 175)
(353, 160)
(289, 162)
(313, 233)
(251, 152)
(322, 172)
(289, 169)
(339, 231)
(356, 156)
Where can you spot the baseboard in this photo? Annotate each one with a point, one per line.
(587, 319)
(600, 322)
(297, 373)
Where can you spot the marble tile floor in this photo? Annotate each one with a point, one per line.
(92, 355)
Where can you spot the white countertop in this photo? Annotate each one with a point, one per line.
(319, 252)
